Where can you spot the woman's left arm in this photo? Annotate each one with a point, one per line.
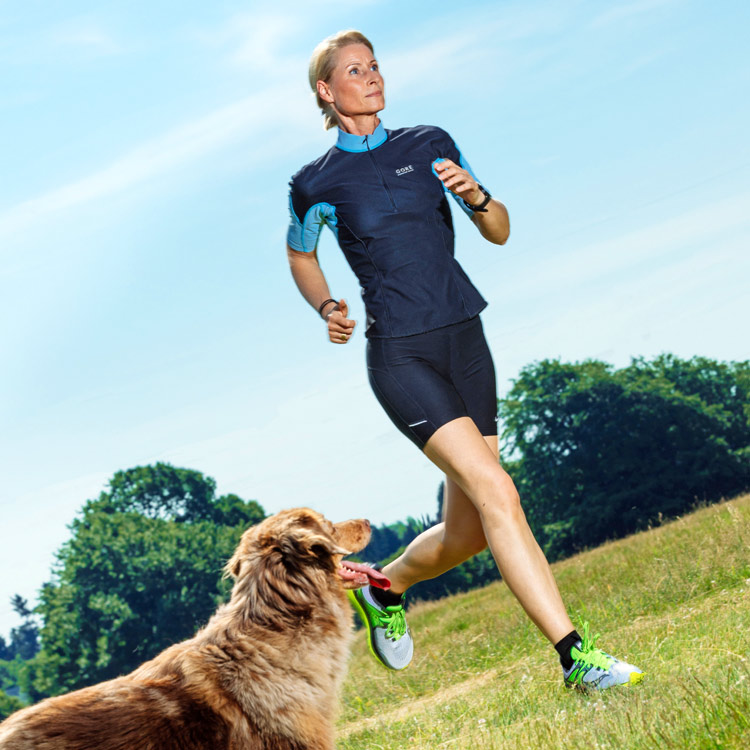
(493, 223)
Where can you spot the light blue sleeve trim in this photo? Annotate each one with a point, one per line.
(464, 165)
(294, 234)
(303, 236)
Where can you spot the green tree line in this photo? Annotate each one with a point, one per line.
(596, 453)
(142, 570)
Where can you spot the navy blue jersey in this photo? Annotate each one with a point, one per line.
(384, 202)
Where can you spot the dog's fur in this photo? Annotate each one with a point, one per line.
(262, 675)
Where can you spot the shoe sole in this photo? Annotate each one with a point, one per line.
(635, 678)
(363, 616)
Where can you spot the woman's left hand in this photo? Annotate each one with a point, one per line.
(458, 181)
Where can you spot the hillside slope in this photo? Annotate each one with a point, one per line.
(674, 600)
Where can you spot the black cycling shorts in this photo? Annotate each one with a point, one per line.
(429, 379)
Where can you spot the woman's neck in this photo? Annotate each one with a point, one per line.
(359, 124)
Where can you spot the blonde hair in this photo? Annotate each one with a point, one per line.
(322, 63)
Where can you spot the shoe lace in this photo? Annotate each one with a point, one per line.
(588, 654)
(394, 621)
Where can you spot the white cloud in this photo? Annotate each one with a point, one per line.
(427, 66)
(623, 11)
(641, 315)
(86, 36)
(263, 41)
(59, 43)
(649, 245)
(241, 120)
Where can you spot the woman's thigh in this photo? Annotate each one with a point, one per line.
(469, 459)
(429, 380)
(415, 392)
(463, 523)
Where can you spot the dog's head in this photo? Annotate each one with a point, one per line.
(289, 562)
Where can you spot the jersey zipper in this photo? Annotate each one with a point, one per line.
(380, 174)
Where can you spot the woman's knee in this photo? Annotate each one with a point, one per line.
(498, 502)
(493, 482)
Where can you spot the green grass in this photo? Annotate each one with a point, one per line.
(674, 600)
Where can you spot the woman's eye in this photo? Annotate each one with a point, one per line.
(374, 66)
(353, 70)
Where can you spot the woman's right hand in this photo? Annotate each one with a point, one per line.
(340, 327)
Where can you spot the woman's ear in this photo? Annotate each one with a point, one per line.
(324, 92)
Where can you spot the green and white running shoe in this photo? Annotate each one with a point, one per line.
(593, 669)
(387, 632)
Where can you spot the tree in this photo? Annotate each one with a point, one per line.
(24, 640)
(598, 453)
(8, 705)
(383, 541)
(141, 570)
(172, 494)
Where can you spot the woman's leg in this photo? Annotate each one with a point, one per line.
(441, 547)
(482, 504)
(469, 460)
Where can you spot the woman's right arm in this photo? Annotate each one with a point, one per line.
(309, 278)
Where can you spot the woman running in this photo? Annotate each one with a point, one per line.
(383, 193)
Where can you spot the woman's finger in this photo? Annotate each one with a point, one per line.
(340, 324)
(443, 164)
(337, 319)
(459, 181)
(448, 169)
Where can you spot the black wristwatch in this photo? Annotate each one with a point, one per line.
(479, 207)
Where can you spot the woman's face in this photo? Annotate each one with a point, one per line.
(356, 86)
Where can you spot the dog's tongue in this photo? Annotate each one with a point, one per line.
(363, 574)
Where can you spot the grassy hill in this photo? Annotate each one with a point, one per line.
(674, 600)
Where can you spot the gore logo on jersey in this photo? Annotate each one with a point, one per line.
(404, 170)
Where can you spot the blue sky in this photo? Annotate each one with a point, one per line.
(146, 310)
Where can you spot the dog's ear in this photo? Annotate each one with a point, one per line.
(324, 544)
(310, 542)
(305, 537)
(233, 566)
(244, 549)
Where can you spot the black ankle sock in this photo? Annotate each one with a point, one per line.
(386, 597)
(564, 646)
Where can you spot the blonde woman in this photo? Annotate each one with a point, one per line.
(384, 195)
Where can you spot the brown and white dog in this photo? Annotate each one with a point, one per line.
(263, 674)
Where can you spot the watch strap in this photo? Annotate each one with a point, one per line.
(479, 207)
